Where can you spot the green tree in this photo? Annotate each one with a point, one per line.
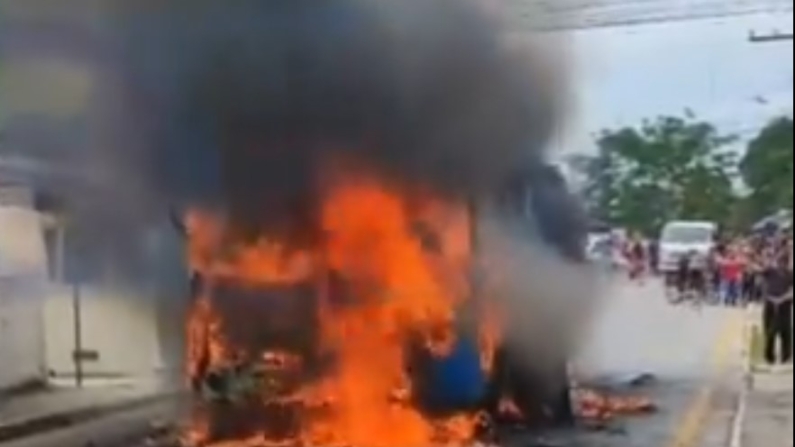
(767, 169)
(668, 168)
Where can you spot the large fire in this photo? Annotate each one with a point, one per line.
(333, 331)
(391, 270)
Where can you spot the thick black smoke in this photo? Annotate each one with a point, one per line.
(240, 103)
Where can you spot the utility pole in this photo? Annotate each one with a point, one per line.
(772, 37)
(78, 353)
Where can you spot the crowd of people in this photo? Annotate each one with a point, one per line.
(735, 270)
(742, 270)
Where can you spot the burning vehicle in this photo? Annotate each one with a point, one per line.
(377, 338)
(333, 163)
(332, 349)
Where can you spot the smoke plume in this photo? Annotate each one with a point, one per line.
(239, 104)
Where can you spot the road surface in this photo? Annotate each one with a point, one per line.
(693, 353)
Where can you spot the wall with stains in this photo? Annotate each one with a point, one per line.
(120, 329)
(22, 289)
(132, 332)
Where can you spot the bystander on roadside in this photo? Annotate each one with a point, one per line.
(778, 308)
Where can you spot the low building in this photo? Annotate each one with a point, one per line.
(50, 310)
(23, 278)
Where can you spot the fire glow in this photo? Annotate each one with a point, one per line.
(404, 260)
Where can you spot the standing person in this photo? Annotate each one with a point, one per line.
(626, 254)
(717, 256)
(754, 271)
(712, 276)
(777, 313)
(731, 275)
(747, 276)
(689, 279)
(637, 253)
(654, 256)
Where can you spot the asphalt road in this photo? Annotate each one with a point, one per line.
(693, 353)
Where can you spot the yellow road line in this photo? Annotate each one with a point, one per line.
(691, 427)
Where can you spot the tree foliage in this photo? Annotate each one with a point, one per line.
(668, 168)
(767, 169)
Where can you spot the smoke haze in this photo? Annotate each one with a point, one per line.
(240, 104)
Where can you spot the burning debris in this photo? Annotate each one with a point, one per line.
(333, 161)
(596, 410)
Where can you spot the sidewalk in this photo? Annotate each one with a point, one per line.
(768, 407)
(769, 420)
(56, 407)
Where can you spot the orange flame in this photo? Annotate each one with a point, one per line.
(396, 289)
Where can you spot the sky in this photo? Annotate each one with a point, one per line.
(623, 75)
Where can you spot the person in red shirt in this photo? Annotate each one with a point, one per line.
(732, 268)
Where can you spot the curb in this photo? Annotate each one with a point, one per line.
(25, 427)
(747, 381)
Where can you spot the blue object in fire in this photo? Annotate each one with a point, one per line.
(457, 380)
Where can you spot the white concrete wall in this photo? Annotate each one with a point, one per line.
(120, 327)
(23, 269)
(21, 240)
(21, 334)
(135, 333)
(169, 289)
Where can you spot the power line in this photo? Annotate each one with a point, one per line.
(555, 15)
(773, 37)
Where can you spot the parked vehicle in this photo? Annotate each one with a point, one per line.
(602, 251)
(695, 239)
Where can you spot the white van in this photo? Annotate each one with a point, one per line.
(680, 238)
